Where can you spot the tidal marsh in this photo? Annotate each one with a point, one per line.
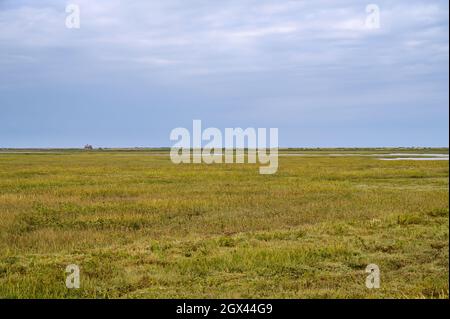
(140, 226)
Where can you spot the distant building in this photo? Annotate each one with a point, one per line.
(88, 147)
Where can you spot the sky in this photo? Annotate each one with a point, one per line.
(320, 71)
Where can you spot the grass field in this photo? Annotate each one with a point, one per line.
(139, 226)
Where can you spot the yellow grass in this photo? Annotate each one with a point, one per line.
(139, 226)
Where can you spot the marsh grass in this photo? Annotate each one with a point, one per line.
(139, 226)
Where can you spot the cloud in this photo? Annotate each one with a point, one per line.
(206, 34)
(230, 56)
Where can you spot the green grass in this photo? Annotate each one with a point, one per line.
(139, 226)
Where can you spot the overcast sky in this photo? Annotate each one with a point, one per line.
(135, 70)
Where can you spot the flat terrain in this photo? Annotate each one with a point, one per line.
(139, 226)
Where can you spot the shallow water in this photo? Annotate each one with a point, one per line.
(415, 159)
(418, 154)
